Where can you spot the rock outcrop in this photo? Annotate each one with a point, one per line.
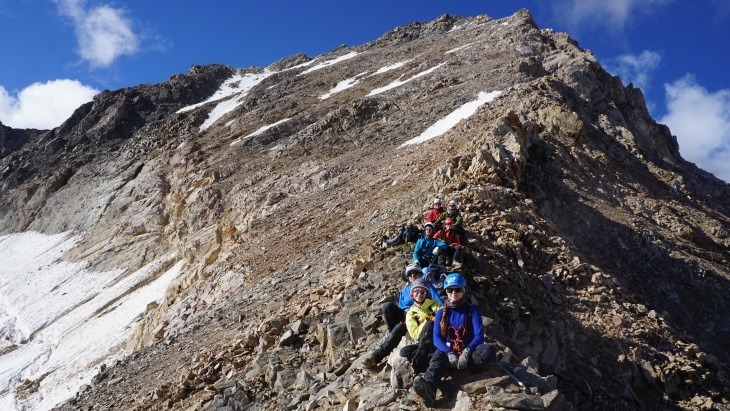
(597, 255)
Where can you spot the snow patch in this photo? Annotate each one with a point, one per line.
(399, 83)
(458, 48)
(329, 63)
(343, 85)
(261, 130)
(62, 319)
(232, 90)
(391, 67)
(451, 120)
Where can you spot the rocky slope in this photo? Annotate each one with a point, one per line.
(598, 256)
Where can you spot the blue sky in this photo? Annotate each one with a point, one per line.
(56, 54)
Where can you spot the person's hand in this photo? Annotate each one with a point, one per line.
(436, 251)
(464, 359)
(453, 359)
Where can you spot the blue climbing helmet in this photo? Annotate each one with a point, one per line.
(454, 280)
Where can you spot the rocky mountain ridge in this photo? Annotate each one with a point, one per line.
(597, 255)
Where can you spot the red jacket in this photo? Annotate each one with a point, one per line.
(434, 214)
(448, 236)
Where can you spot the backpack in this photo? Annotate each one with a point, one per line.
(436, 275)
(411, 234)
(395, 240)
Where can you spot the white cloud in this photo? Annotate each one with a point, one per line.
(103, 33)
(635, 69)
(614, 14)
(701, 121)
(43, 105)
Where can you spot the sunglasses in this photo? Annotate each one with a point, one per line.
(412, 274)
(419, 291)
(457, 290)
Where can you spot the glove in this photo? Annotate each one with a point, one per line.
(453, 359)
(464, 359)
(436, 251)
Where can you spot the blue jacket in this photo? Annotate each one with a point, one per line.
(405, 301)
(425, 245)
(471, 336)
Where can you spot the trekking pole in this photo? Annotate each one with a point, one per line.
(514, 377)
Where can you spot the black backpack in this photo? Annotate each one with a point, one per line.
(411, 234)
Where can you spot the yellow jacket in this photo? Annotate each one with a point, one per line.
(417, 316)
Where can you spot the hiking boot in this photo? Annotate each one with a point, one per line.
(370, 362)
(425, 390)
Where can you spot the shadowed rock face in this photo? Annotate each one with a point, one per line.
(595, 252)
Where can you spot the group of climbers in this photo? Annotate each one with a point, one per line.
(394, 314)
(442, 238)
(447, 332)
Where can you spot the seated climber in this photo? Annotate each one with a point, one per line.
(428, 248)
(458, 337)
(433, 214)
(452, 211)
(453, 251)
(394, 316)
(419, 321)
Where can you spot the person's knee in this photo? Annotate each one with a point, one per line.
(485, 354)
(408, 351)
(390, 312)
(440, 357)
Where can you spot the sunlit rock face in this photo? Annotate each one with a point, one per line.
(218, 235)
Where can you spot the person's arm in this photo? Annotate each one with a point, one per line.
(440, 244)
(417, 249)
(477, 326)
(441, 218)
(404, 299)
(412, 323)
(459, 219)
(435, 294)
(438, 340)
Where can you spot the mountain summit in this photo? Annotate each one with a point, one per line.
(214, 241)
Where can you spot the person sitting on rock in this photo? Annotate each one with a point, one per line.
(428, 248)
(452, 211)
(419, 321)
(453, 251)
(394, 316)
(458, 337)
(433, 214)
